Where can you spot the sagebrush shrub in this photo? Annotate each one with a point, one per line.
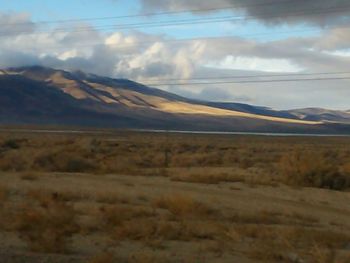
(46, 225)
(313, 169)
(10, 144)
(64, 162)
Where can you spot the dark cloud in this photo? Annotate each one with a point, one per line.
(157, 69)
(13, 24)
(318, 12)
(10, 58)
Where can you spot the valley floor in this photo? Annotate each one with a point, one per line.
(197, 209)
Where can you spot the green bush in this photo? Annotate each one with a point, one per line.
(10, 144)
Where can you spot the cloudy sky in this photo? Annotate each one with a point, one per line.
(164, 43)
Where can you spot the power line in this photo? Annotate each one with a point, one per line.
(151, 14)
(257, 76)
(164, 23)
(185, 22)
(245, 81)
(145, 43)
(223, 19)
(219, 19)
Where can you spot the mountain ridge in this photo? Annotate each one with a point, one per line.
(55, 96)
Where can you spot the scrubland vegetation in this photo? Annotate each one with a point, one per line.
(142, 197)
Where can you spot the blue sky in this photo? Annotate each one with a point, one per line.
(67, 9)
(256, 44)
(83, 9)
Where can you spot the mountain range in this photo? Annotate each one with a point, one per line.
(38, 95)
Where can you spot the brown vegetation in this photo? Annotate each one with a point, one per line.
(183, 206)
(105, 257)
(3, 194)
(252, 160)
(314, 169)
(153, 198)
(45, 223)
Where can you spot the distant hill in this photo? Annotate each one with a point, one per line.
(319, 114)
(39, 95)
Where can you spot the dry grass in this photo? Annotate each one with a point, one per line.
(3, 194)
(315, 163)
(132, 214)
(207, 178)
(63, 161)
(105, 257)
(183, 206)
(146, 257)
(322, 255)
(30, 176)
(314, 169)
(45, 223)
(153, 225)
(15, 161)
(261, 217)
(156, 232)
(116, 215)
(265, 217)
(293, 244)
(110, 198)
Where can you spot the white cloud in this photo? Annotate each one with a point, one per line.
(68, 54)
(256, 64)
(339, 53)
(146, 58)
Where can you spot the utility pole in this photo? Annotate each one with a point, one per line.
(166, 149)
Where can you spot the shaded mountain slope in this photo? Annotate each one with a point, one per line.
(38, 95)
